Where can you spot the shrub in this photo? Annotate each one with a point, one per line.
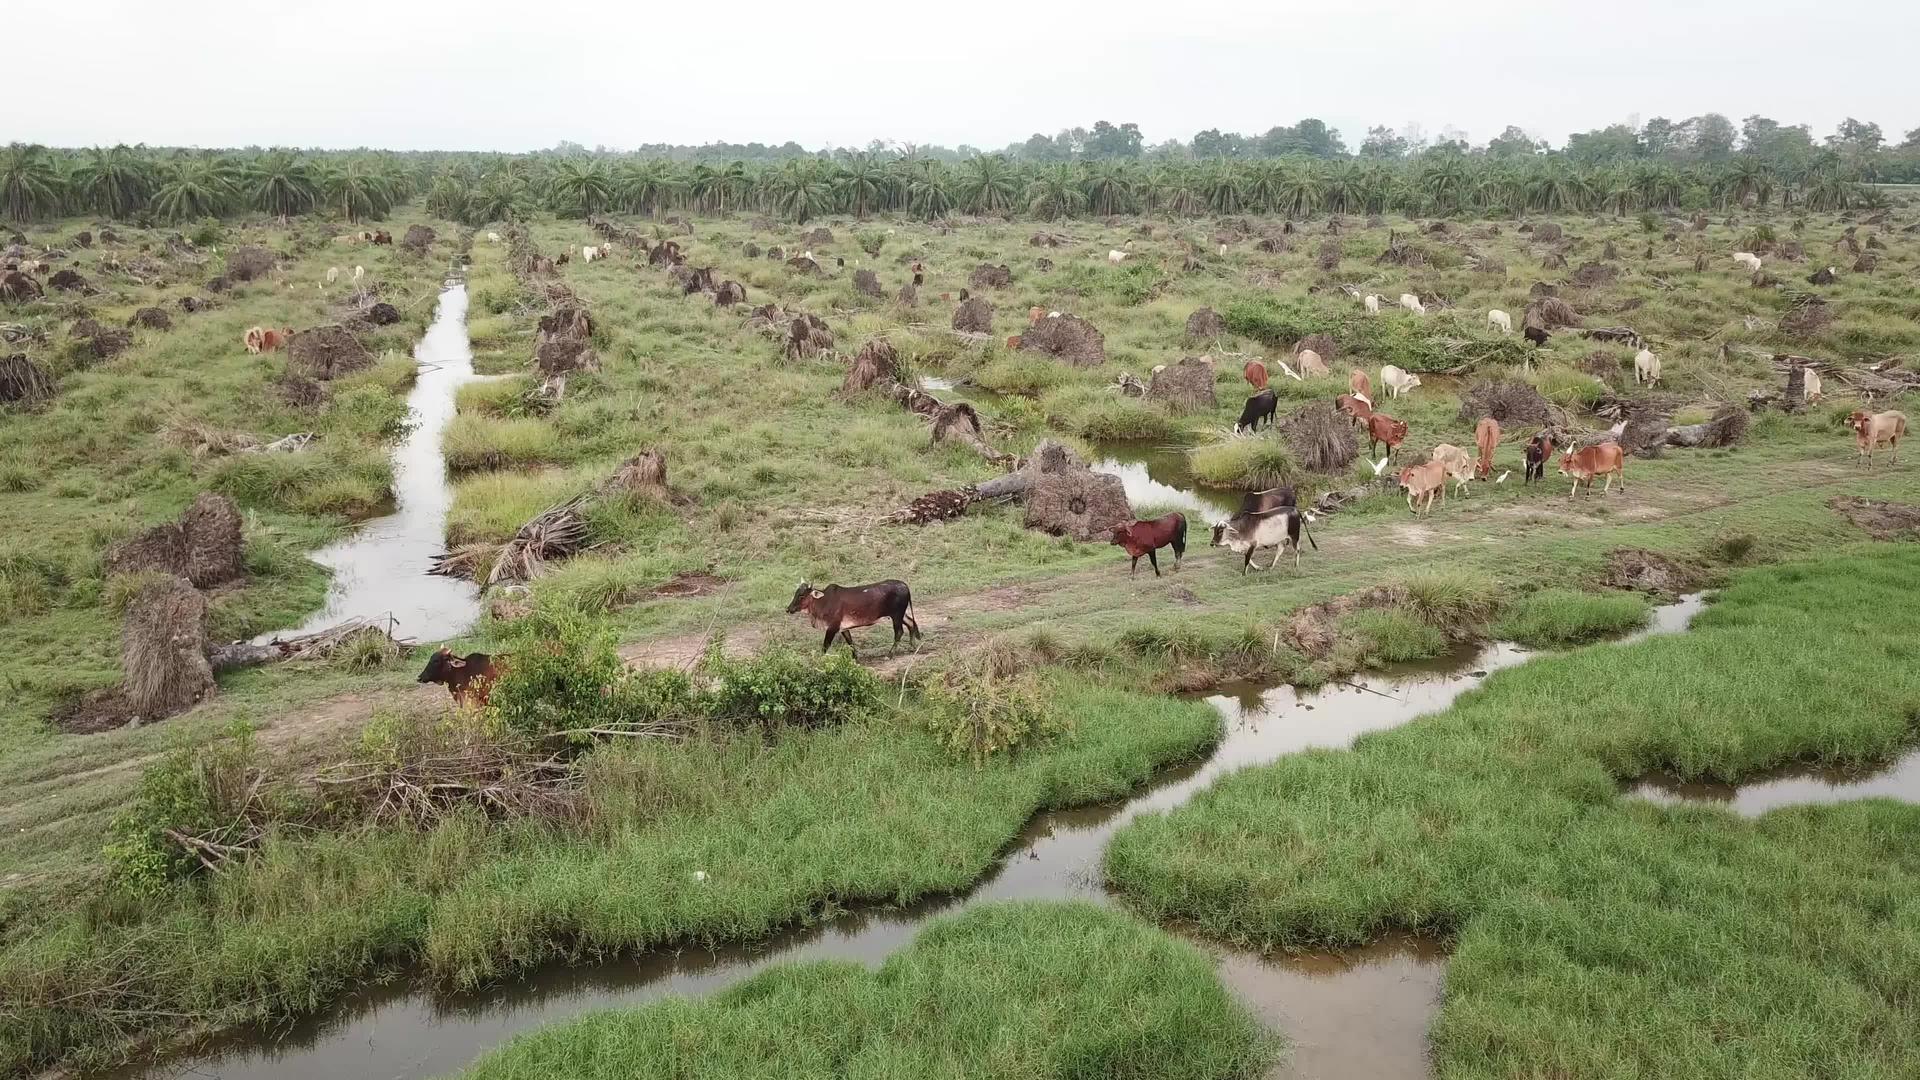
(344, 476)
(980, 714)
(1022, 373)
(1093, 413)
(1451, 599)
(871, 242)
(568, 678)
(785, 688)
(1275, 322)
(1560, 618)
(208, 792)
(1253, 463)
(1566, 387)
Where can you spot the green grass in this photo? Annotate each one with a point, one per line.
(872, 810)
(493, 505)
(473, 442)
(1596, 935)
(1253, 462)
(1393, 637)
(1560, 618)
(1029, 990)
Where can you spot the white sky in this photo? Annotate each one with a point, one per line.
(487, 75)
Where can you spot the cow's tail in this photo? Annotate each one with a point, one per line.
(913, 624)
(1309, 532)
(1179, 536)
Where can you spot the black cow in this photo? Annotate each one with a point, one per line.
(841, 609)
(1539, 449)
(469, 677)
(1258, 407)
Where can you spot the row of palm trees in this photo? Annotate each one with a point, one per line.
(126, 182)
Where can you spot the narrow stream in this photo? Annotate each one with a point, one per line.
(1158, 477)
(380, 571)
(1790, 787)
(1361, 1012)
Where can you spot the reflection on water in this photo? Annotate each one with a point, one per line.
(381, 570)
(966, 390)
(1158, 477)
(1356, 1013)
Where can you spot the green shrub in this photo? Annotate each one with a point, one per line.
(1275, 322)
(980, 715)
(1093, 413)
(871, 242)
(1393, 637)
(1564, 386)
(1561, 618)
(344, 476)
(786, 688)
(204, 792)
(1250, 462)
(1022, 373)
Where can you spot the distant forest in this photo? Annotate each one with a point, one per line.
(1298, 170)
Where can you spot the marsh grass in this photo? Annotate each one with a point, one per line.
(1606, 935)
(1031, 990)
(472, 442)
(1561, 618)
(1250, 463)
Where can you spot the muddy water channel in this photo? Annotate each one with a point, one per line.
(380, 571)
(1357, 1013)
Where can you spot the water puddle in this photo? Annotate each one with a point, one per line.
(1158, 477)
(965, 390)
(380, 571)
(1361, 1012)
(1789, 787)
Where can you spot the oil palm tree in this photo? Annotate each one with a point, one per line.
(582, 183)
(194, 186)
(931, 191)
(861, 184)
(1110, 187)
(799, 189)
(988, 184)
(30, 182)
(1745, 176)
(1219, 187)
(1055, 192)
(643, 185)
(1297, 191)
(280, 183)
(357, 189)
(116, 181)
(1445, 180)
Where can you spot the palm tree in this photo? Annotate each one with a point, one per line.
(582, 183)
(1340, 187)
(862, 183)
(1555, 188)
(30, 182)
(504, 195)
(1297, 191)
(931, 191)
(799, 190)
(1260, 184)
(195, 186)
(643, 185)
(988, 184)
(1746, 175)
(1445, 180)
(1110, 187)
(358, 189)
(116, 181)
(280, 183)
(1055, 192)
(1219, 187)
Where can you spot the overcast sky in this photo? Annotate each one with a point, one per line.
(478, 74)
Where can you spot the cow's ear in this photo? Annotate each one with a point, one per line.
(818, 595)
(456, 662)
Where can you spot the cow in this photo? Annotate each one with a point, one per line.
(1358, 384)
(1486, 437)
(1356, 407)
(1372, 303)
(1810, 388)
(1278, 529)
(1601, 459)
(1258, 407)
(1539, 449)
(1147, 537)
(1646, 367)
(1459, 467)
(1412, 303)
(1310, 363)
(1398, 381)
(258, 340)
(1382, 428)
(842, 610)
(381, 237)
(1870, 431)
(1035, 314)
(333, 274)
(468, 678)
(1500, 321)
(1424, 482)
(1256, 374)
(1274, 498)
(1537, 335)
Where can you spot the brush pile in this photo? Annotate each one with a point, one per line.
(1069, 338)
(1186, 386)
(23, 381)
(163, 649)
(807, 336)
(327, 353)
(1510, 401)
(1205, 325)
(1321, 436)
(985, 276)
(875, 362)
(248, 262)
(974, 316)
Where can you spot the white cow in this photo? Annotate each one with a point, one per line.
(493, 238)
(1812, 385)
(1500, 320)
(1459, 467)
(1116, 257)
(1398, 380)
(1747, 259)
(588, 254)
(1310, 363)
(1244, 534)
(1646, 367)
(1412, 303)
(358, 273)
(333, 274)
(1373, 303)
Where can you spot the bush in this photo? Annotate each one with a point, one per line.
(785, 688)
(1566, 387)
(1094, 413)
(1451, 599)
(568, 678)
(1022, 373)
(344, 476)
(981, 714)
(203, 791)
(1274, 322)
(1393, 637)
(871, 242)
(1252, 463)
(1561, 618)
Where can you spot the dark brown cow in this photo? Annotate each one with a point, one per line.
(1539, 449)
(1265, 502)
(468, 678)
(1147, 537)
(383, 237)
(841, 609)
(1258, 407)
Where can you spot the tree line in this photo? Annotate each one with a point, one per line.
(171, 186)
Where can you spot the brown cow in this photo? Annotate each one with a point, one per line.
(1486, 436)
(1602, 459)
(468, 678)
(1870, 431)
(1035, 314)
(270, 339)
(1147, 537)
(1355, 407)
(1426, 482)
(1013, 341)
(842, 609)
(1256, 374)
(1382, 428)
(1357, 382)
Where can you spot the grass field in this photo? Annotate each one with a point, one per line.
(784, 478)
(1596, 935)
